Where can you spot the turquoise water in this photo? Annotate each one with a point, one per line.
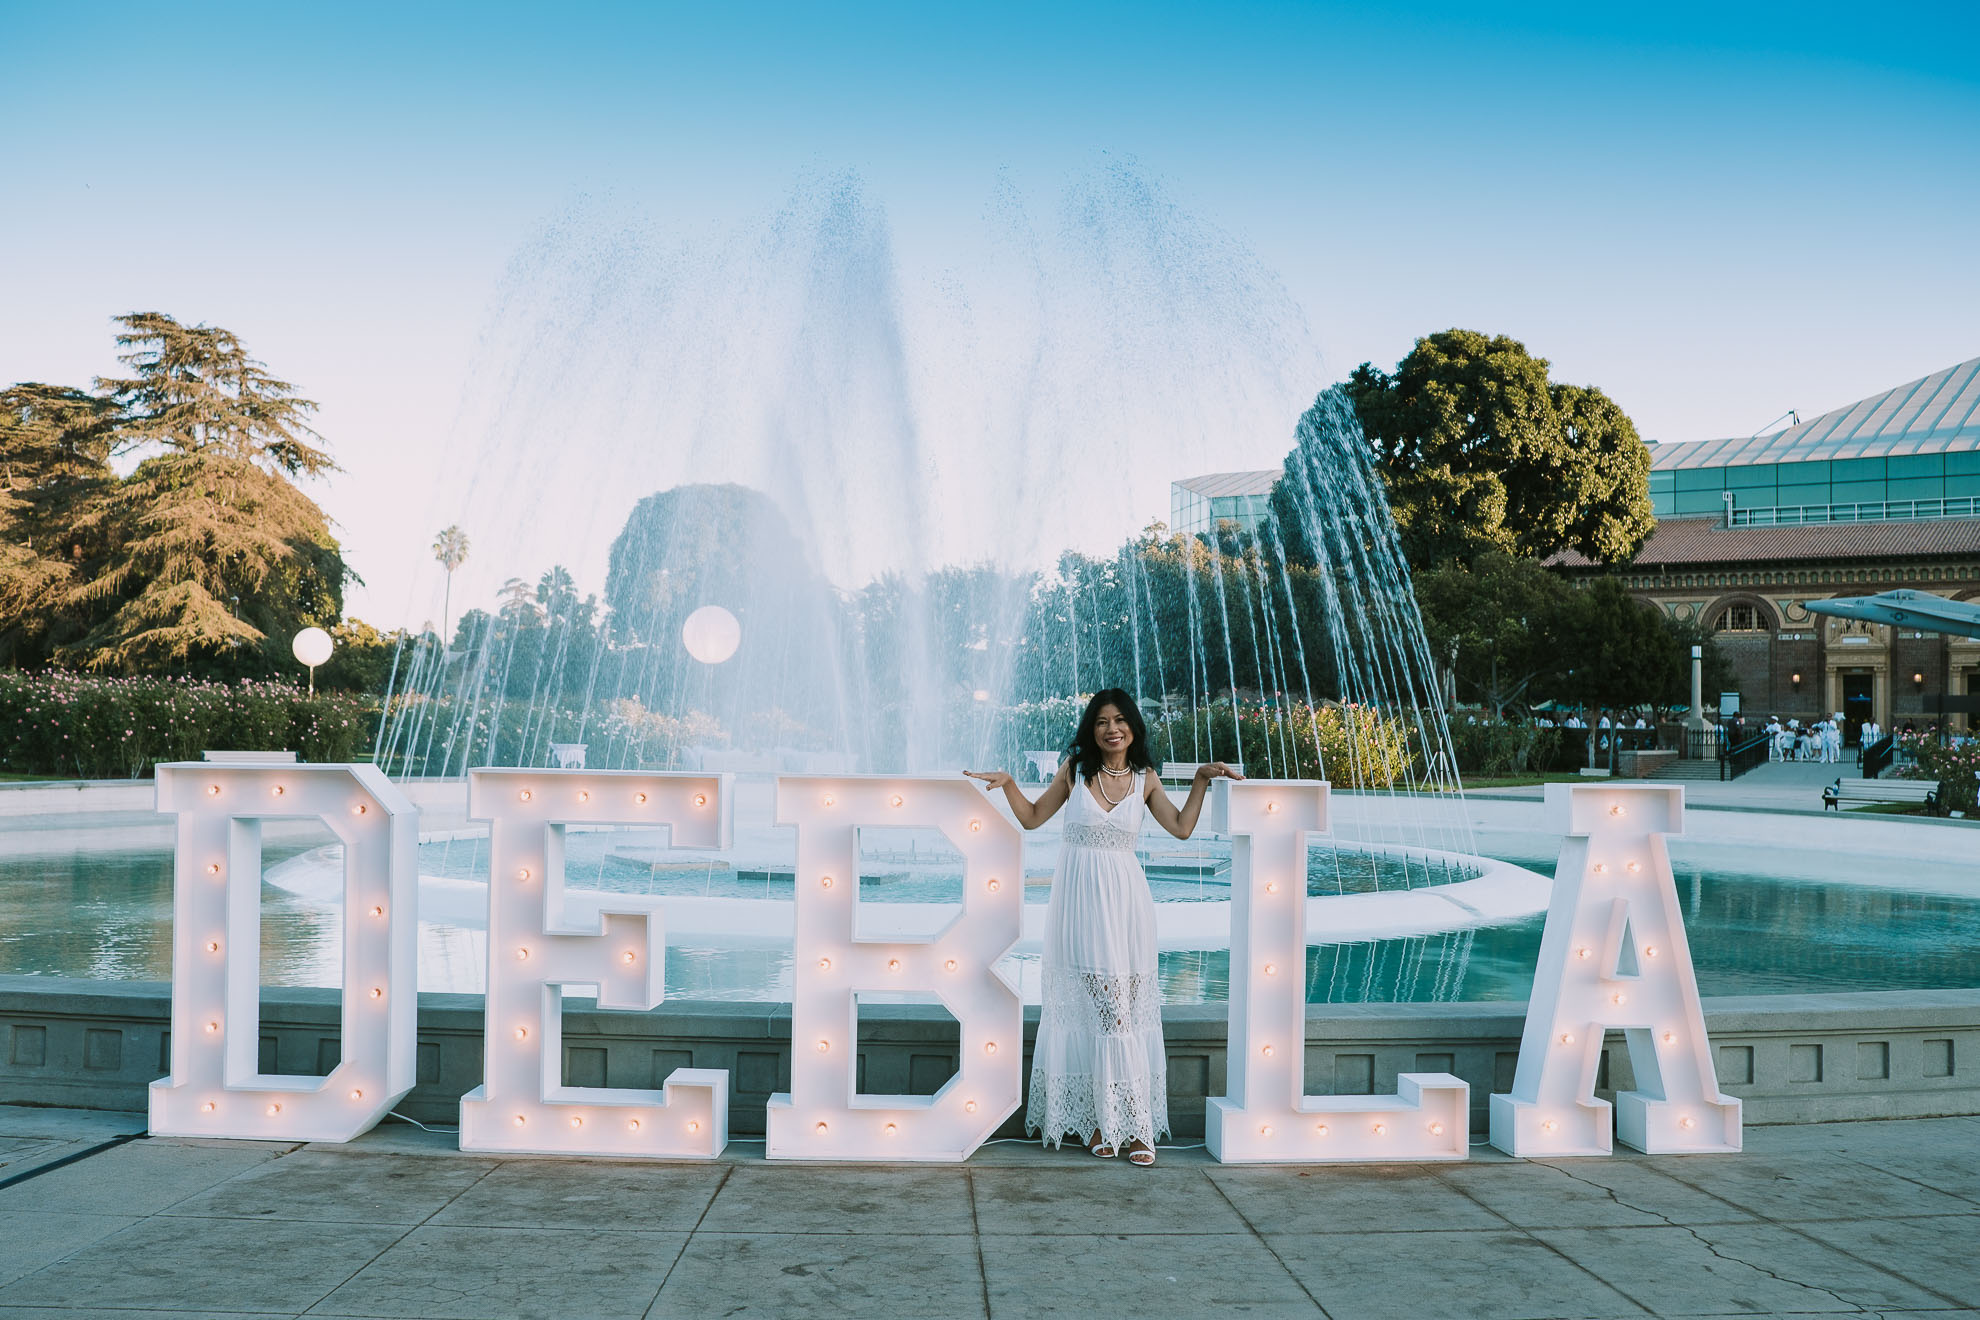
(107, 916)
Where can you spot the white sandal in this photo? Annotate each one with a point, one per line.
(1099, 1148)
(1143, 1157)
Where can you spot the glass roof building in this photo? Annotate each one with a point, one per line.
(1198, 504)
(1908, 453)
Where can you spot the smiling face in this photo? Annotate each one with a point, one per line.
(1112, 733)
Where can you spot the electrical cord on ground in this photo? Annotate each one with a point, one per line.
(421, 1126)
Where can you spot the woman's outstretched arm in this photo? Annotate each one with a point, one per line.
(1182, 823)
(1030, 814)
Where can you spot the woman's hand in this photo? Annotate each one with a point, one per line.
(1215, 770)
(992, 779)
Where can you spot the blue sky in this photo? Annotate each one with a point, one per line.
(1715, 213)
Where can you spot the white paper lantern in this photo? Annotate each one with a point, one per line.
(312, 646)
(711, 634)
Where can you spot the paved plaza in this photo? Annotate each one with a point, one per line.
(1851, 1218)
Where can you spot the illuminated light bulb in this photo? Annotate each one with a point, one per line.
(975, 825)
(377, 992)
(1380, 1129)
(949, 966)
(1599, 867)
(1687, 1123)
(989, 1047)
(1616, 810)
(522, 1033)
(213, 790)
(1670, 1038)
(519, 1120)
(523, 874)
(213, 868)
(630, 956)
(824, 882)
(1271, 969)
(894, 801)
(274, 1110)
(1567, 1038)
(829, 801)
(577, 1122)
(994, 885)
(1271, 806)
(1271, 887)
(639, 799)
(821, 1127)
(1584, 953)
(1436, 1129)
(893, 964)
(1265, 1130)
(889, 1129)
(824, 964)
(1548, 1126)
(824, 1046)
(377, 911)
(969, 1106)
(1267, 1051)
(213, 946)
(1619, 999)
(208, 1106)
(700, 799)
(359, 809)
(357, 1095)
(632, 1125)
(1632, 868)
(583, 796)
(212, 1027)
(694, 1126)
(1320, 1129)
(523, 796)
(279, 790)
(1649, 950)
(522, 954)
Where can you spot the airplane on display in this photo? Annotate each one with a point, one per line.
(1905, 608)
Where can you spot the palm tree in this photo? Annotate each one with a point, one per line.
(451, 549)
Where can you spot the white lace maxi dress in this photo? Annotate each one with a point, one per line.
(1098, 1064)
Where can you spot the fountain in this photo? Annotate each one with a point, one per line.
(911, 489)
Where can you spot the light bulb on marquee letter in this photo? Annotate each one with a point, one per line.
(821, 1117)
(522, 1103)
(216, 1088)
(1614, 956)
(1265, 1113)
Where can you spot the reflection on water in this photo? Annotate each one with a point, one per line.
(107, 916)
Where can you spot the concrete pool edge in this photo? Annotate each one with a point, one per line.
(1789, 1058)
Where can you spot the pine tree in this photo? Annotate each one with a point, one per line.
(55, 445)
(211, 558)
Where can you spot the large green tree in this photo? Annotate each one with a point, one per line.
(209, 557)
(1479, 450)
(55, 446)
(1497, 622)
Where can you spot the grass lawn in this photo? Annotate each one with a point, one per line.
(1526, 781)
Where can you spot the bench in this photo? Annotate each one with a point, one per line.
(1044, 765)
(1186, 770)
(1922, 791)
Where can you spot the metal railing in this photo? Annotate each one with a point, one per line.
(1736, 761)
(1797, 515)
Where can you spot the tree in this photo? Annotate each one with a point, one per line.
(451, 549)
(1620, 651)
(209, 557)
(1478, 449)
(55, 446)
(1498, 622)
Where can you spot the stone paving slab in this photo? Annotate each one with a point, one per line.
(1875, 1218)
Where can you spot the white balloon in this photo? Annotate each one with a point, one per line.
(711, 634)
(312, 646)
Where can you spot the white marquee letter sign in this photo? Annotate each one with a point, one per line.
(1614, 957)
(822, 1117)
(216, 1088)
(536, 949)
(1265, 1114)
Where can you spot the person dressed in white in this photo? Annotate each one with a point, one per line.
(1098, 1071)
(1777, 749)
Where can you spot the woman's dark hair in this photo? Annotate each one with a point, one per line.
(1084, 752)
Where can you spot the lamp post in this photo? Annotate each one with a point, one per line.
(312, 646)
(1696, 720)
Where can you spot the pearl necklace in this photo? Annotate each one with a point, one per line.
(1125, 788)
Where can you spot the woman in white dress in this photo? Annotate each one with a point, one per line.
(1098, 1071)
